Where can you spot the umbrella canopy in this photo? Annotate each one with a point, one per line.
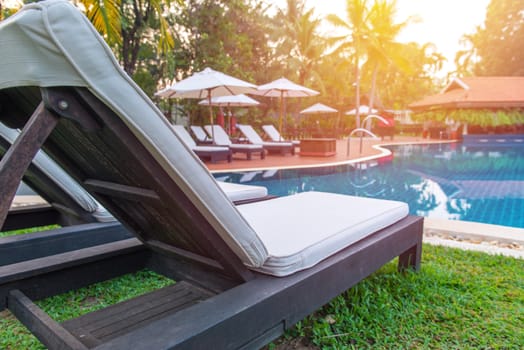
(283, 88)
(363, 109)
(207, 84)
(231, 101)
(318, 108)
(165, 92)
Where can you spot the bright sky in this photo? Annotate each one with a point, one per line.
(442, 22)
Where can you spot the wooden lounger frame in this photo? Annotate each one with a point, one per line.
(214, 156)
(227, 305)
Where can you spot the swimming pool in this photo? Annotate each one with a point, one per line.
(481, 183)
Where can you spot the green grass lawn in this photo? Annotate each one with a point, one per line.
(27, 230)
(458, 300)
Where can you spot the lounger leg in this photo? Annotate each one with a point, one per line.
(410, 258)
(21, 153)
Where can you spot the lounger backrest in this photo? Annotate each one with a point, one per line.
(121, 148)
(199, 133)
(219, 135)
(56, 186)
(181, 131)
(250, 134)
(272, 132)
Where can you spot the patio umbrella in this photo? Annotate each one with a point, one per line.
(318, 108)
(283, 88)
(363, 109)
(230, 101)
(207, 84)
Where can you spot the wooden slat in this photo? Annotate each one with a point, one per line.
(18, 248)
(29, 268)
(97, 327)
(50, 332)
(17, 159)
(30, 216)
(183, 254)
(121, 191)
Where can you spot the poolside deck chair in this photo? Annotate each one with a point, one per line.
(241, 279)
(253, 137)
(221, 138)
(200, 135)
(214, 153)
(275, 136)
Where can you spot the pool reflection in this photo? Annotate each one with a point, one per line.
(451, 181)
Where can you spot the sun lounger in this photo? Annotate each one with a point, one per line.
(200, 135)
(221, 138)
(275, 136)
(244, 273)
(214, 153)
(254, 138)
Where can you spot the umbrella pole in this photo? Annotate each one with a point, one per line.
(229, 119)
(281, 112)
(211, 116)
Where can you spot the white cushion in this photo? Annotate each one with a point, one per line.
(255, 138)
(199, 133)
(218, 134)
(273, 133)
(277, 144)
(238, 192)
(301, 230)
(249, 146)
(181, 131)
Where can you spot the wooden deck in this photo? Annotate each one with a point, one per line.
(290, 161)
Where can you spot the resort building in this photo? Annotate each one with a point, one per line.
(477, 105)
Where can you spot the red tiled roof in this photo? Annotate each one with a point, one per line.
(477, 92)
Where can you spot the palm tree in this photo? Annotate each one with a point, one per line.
(7, 8)
(105, 16)
(124, 23)
(466, 59)
(382, 49)
(309, 47)
(357, 25)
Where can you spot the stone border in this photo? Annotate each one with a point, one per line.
(491, 239)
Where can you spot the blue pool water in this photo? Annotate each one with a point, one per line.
(482, 183)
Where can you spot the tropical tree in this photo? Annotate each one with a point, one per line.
(228, 36)
(300, 47)
(498, 46)
(400, 87)
(382, 49)
(8, 7)
(309, 47)
(128, 24)
(357, 27)
(466, 59)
